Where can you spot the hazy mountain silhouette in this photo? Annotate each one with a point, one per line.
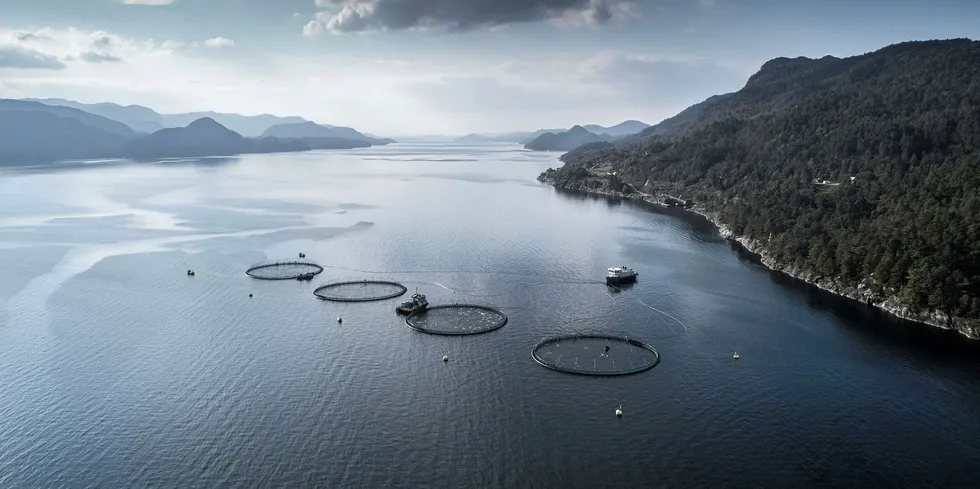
(37, 136)
(622, 129)
(203, 137)
(146, 120)
(245, 125)
(565, 141)
(519, 137)
(137, 117)
(105, 124)
(311, 130)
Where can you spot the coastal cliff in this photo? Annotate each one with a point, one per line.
(859, 175)
(865, 292)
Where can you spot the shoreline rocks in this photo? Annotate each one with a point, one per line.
(861, 293)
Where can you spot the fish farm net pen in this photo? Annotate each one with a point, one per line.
(360, 291)
(457, 319)
(283, 270)
(597, 355)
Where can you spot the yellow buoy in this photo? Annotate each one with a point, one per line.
(619, 412)
(736, 356)
(445, 358)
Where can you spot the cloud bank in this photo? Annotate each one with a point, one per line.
(343, 16)
(14, 56)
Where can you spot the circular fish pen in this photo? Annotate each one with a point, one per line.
(457, 319)
(597, 355)
(360, 291)
(284, 270)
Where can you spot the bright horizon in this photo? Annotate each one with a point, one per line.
(424, 67)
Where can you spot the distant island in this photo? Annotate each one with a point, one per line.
(858, 175)
(619, 130)
(321, 136)
(35, 132)
(565, 141)
(510, 137)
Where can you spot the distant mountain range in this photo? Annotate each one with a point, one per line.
(568, 140)
(321, 132)
(54, 129)
(510, 137)
(99, 122)
(146, 120)
(582, 138)
(33, 132)
(619, 130)
(203, 137)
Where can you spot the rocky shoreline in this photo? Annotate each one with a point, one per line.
(862, 293)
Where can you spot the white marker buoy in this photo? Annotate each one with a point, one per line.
(736, 356)
(619, 411)
(340, 319)
(445, 358)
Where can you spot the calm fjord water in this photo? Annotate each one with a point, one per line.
(118, 370)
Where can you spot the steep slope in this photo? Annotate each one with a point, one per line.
(565, 141)
(686, 116)
(35, 136)
(857, 174)
(96, 121)
(138, 118)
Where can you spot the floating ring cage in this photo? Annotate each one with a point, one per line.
(457, 319)
(283, 270)
(598, 355)
(360, 291)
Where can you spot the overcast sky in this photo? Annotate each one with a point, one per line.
(398, 67)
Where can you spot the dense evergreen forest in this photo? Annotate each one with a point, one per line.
(866, 169)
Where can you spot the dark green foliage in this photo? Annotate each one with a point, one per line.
(904, 122)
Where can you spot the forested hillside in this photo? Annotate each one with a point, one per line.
(892, 139)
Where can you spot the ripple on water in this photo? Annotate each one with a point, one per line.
(121, 370)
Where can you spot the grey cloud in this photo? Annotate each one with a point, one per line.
(625, 82)
(31, 36)
(370, 15)
(102, 40)
(21, 57)
(98, 57)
